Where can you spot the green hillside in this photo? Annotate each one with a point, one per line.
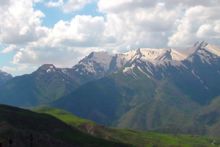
(23, 128)
(139, 139)
(65, 116)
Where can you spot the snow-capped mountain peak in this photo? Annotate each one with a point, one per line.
(178, 56)
(154, 55)
(102, 58)
(98, 64)
(198, 46)
(205, 52)
(48, 68)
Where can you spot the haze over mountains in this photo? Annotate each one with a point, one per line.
(146, 89)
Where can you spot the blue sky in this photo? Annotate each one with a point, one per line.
(62, 32)
(53, 15)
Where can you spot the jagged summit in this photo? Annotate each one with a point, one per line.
(151, 54)
(101, 63)
(96, 64)
(205, 52)
(198, 46)
(47, 68)
(154, 55)
(102, 58)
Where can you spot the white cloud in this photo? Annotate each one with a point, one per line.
(73, 5)
(198, 23)
(69, 5)
(190, 3)
(57, 3)
(124, 5)
(4, 2)
(161, 23)
(20, 23)
(125, 24)
(18, 69)
(81, 31)
(141, 27)
(128, 5)
(65, 43)
(8, 49)
(68, 40)
(62, 57)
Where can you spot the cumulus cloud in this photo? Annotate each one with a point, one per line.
(198, 23)
(20, 23)
(124, 24)
(128, 5)
(60, 56)
(69, 5)
(141, 27)
(19, 69)
(190, 3)
(73, 5)
(124, 5)
(67, 41)
(81, 31)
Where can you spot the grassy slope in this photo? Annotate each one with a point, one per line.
(64, 116)
(18, 124)
(129, 136)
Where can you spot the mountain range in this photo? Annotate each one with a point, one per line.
(144, 89)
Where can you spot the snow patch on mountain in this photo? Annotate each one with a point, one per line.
(150, 61)
(130, 71)
(178, 56)
(205, 52)
(46, 68)
(139, 68)
(101, 58)
(123, 58)
(155, 56)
